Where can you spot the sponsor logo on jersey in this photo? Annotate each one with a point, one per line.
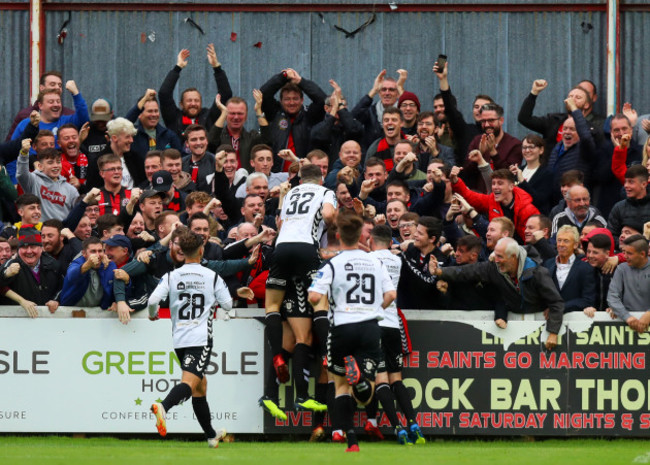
(349, 267)
(180, 286)
(283, 124)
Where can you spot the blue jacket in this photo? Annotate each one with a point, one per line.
(165, 138)
(579, 290)
(76, 283)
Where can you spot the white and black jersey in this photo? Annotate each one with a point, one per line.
(193, 291)
(355, 282)
(393, 264)
(302, 214)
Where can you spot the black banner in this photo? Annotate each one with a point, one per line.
(463, 382)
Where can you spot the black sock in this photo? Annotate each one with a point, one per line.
(362, 391)
(272, 384)
(273, 332)
(404, 399)
(331, 409)
(321, 327)
(371, 409)
(178, 394)
(202, 412)
(344, 416)
(320, 396)
(300, 369)
(384, 395)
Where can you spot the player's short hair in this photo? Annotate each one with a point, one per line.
(637, 172)
(349, 227)
(374, 161)
(226, 148)
(399, 183)
(42, 133)
(493, 107)
(392, 111)
(107, 158)
(27, 199)
(432, 225)
(44, 92)
(483, 97)
(51, 72)
(237, 100)
(471, 243)
(197, 216)
(601, 241)
(544, 221)
(178, 232)
(190, 243)
(254, 176)
(106, 222)
(382, 234)
(90, 241)
(503, 173)
(120, 125)
(258, 148)
(638, 243)
(290, 87)
(311, 174)
(68, 126)
(48, 154)
(53, 223)
(424, 115)
(160, 219)
(506, 225)
(193, 128)
(197, 197)
(410, 216)
(154, 154)
(572, 177)
(569, 229)
(316, 154)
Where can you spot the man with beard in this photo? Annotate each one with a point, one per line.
(58, 244)
(429, 147)
(229, 128)
(74, 163)
(498, 148)
(578, 211)
(199, 163)
(383, 148)
(191, 112)
(462, 133)
(505, 199)
(5, 250)
(150, 135)
(120, 132)
(290, 122)
(31, 274)
(370, 114)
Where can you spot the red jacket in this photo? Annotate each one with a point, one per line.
(485, 203)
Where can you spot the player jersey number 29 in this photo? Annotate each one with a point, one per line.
(362, 290)
(299, 203)
(192, 307)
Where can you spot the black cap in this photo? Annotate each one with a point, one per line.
(162, 181)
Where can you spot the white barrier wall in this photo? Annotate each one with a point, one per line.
(95, 375)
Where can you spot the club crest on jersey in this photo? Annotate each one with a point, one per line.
(349, 267)
(188, 360)
(180, 286)
(283, 123)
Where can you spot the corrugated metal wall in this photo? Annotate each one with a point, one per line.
(117, 55)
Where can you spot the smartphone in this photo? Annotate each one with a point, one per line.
(442, 60)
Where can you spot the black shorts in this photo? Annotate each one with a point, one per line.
(295, 303)
(362, 340)
(194, 359)
(293, 262)
(391, 348)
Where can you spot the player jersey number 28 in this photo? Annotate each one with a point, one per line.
(192, 306)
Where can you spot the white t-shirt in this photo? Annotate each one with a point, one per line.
(355, 282)
(193, 291)
(393, 264)
(302, 214)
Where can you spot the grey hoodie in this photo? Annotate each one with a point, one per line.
(57, 196)
(629, 290)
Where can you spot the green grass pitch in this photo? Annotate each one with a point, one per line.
(100, 451)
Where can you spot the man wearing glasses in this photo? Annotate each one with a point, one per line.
(498, 148)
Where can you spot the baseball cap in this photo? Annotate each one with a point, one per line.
(29, 235)
(101, 110)
(162, 181)
(151, 193)
(119, 240)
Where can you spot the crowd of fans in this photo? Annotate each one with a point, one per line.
(92, 200)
